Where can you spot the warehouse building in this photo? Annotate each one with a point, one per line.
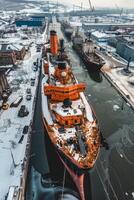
(10, 53)
(125, 48)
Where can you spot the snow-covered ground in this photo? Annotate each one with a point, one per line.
(124, 82)
(31, 8)
(13, 153)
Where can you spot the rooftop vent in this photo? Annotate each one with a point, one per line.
(67, 103)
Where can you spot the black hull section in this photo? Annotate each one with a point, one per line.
(91, 66)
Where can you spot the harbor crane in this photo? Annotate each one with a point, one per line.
(91, 7)
(120, 10)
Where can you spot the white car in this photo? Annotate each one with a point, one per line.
(28, 97)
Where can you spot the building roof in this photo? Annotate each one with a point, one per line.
(10, 47)
(99, 34)
(4, 68)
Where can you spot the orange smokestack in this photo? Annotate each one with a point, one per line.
(54, 42)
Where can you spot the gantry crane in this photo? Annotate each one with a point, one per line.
(91, 7)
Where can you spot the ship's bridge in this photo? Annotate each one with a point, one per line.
(59, 109)
(59, 93)
(69, 112)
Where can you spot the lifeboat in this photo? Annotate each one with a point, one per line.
(68, 118)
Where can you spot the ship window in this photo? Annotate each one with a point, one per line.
(65, 110)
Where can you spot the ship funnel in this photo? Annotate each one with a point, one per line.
(54, 42)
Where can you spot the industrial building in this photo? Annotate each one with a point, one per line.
(101, 36)
(106, 26)
(124, 47)
(10, 53)
(19, 50)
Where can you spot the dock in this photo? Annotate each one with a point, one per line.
(120, 81)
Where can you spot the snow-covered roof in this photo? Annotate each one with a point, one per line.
(6, 67)
(75, 24)
(109, 24)
(74, 110)
(99, 34)
(10, 47)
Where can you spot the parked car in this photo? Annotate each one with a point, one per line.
(32, 81)
(23, 111)
(25, 129)
(5, 105)
(8, 91)
(35, 63)
(4, 96)
(28, 90)
(38, 49)
(28, 97)
(35, 68)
